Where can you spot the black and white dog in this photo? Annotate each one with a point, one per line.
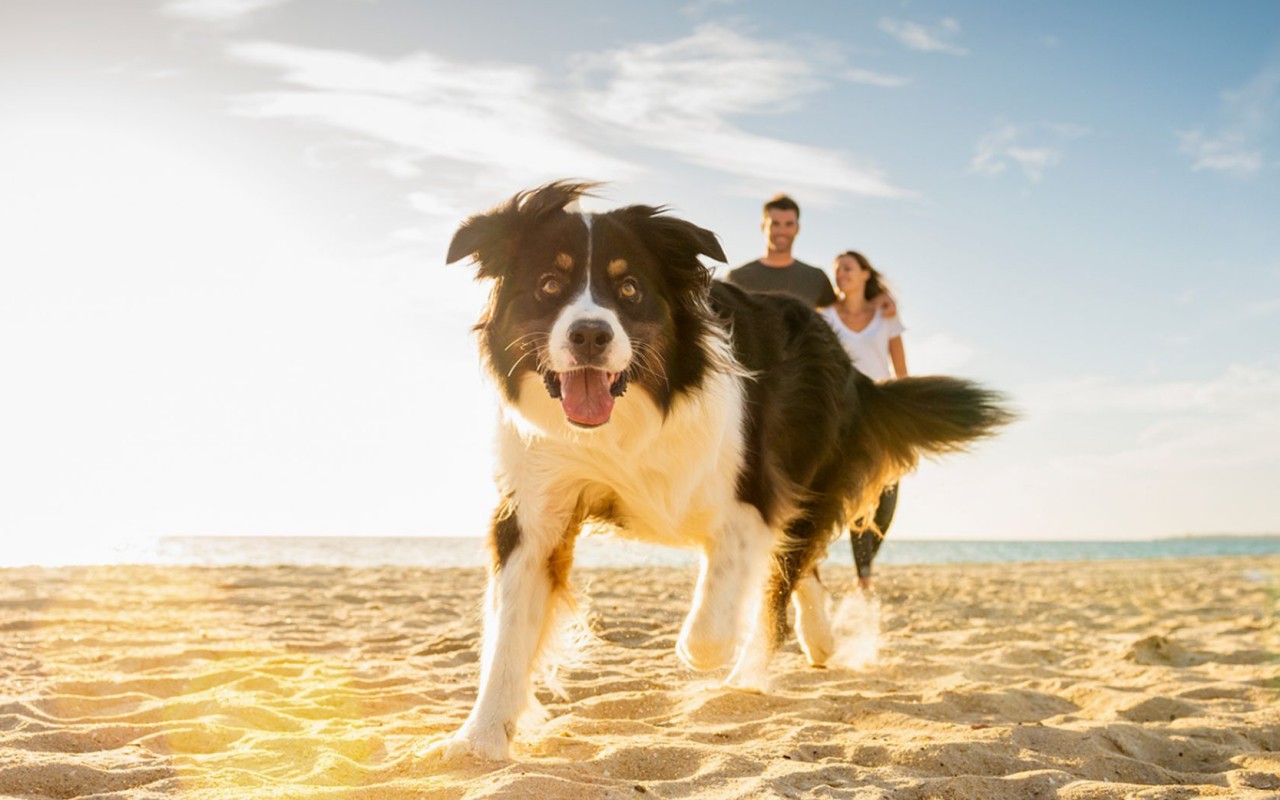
(639, 393)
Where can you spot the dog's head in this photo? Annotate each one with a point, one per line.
(590, 304)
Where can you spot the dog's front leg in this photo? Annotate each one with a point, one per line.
(734, 566)
(526, 573)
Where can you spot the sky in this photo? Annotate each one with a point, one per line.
(224, 307)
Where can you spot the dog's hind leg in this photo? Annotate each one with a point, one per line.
(730, 582)
(527, 576)
(792, 570)
(813, 624)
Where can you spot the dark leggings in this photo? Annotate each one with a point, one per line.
(866, 542)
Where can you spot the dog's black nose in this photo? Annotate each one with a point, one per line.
(589, 338)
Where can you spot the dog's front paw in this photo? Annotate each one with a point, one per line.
(703, 648)
(703, 655)
(491, 743)
(751, 673)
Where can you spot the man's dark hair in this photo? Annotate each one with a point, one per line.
(782, 202)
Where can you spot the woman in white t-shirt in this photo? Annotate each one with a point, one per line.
(865, 320)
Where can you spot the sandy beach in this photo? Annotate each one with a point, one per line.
(1116, 679)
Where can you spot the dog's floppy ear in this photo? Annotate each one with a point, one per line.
(488, 237)
(673, 237)
(493, 237)
(679, 235)
(708, 244)
(466, 240)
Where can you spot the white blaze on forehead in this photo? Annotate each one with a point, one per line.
(586, 220)
(617, 356)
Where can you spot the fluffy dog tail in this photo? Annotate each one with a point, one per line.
(932, 415)
(907, 418)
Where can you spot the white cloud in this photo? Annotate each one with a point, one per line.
(869, 78)
(221, 11)
(1099, 456)
(1186, 448)
(1263, 307)
(434, 205)
(1034, 160)
(1223, 152)
(426, 108)
(1248, 118)
(702, 8)
(934, 39)
(680, 97)
(1193, 476)
(1240, 388)
(677, 97)
(713, 72)
(1200, 431)
(1032, 148)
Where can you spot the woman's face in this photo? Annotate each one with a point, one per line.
(851, 278)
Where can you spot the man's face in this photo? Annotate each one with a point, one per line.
(780, 229)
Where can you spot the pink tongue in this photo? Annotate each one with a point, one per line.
(586, 397)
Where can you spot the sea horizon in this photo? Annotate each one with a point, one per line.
(602, 550)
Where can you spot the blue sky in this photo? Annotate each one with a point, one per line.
(223, 307)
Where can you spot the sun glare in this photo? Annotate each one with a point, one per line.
(82, 196)
(188, 348)
(106, 239)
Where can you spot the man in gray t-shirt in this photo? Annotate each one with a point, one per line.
(778, 272)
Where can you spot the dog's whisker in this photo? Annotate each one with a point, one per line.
(524, 341)
(647, 361)
(643, 365)
(511, 371)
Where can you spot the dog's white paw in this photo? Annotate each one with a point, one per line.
(751, 673)
(817, 643)
(706, 654)
(752, 681)
(813, 624)
(491, 744)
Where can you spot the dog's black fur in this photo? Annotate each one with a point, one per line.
(797, 442)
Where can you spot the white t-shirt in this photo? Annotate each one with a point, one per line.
(869, 347)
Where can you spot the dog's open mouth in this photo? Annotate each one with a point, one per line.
(586, 395)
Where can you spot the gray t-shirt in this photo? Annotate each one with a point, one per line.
(801, 280)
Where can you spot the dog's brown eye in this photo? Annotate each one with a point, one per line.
(629, 290)
(550, 286)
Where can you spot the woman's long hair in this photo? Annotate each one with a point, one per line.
(876, 284)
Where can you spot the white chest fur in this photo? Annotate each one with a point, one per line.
(666, 480)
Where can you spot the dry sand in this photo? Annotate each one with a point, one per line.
(1118, 679)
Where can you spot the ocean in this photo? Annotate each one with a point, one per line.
(596, 551)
